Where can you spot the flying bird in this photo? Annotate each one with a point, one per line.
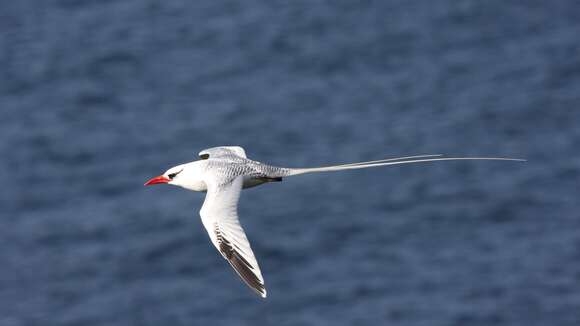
(222, 172)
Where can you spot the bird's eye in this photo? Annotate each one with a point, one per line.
(204, 156)
(172, 175)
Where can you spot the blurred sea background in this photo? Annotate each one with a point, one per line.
(96, 97)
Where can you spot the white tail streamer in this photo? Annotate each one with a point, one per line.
(395, 161)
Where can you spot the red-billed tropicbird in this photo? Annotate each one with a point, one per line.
(224, 171)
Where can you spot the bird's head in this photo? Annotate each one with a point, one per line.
(186, 175)
(170, 176)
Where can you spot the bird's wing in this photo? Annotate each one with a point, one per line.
(222, 151)
(220, 218)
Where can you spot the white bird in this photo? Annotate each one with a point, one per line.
(224, 171)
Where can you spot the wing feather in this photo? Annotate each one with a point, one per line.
(222, 151)
(220, 219)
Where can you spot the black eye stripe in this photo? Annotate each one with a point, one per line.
(172, 175)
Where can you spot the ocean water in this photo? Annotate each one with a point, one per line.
(96, 97)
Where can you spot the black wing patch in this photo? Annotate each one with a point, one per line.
(270, 179)
(239, 263)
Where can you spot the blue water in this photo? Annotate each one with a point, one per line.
(96, 97)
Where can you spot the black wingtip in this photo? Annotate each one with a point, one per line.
(242, 267)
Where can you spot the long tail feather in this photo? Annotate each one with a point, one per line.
(394, 161)
(391, 160)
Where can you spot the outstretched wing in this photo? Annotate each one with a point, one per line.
(220, 218)
(222, 151)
